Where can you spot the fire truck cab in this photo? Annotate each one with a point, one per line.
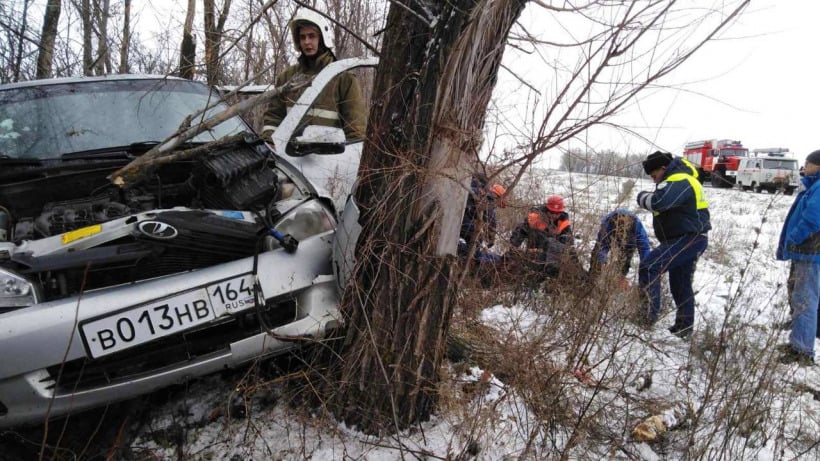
(716, 159)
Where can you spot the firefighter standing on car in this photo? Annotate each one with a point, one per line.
(680, 219)
(340, 104)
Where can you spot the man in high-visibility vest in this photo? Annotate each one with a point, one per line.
(680, 219)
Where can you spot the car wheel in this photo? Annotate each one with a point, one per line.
(789, 191)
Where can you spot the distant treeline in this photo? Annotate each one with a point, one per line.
(607, 162)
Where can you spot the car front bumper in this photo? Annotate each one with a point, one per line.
(47, 370)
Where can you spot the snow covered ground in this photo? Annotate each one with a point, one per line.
(722, 393)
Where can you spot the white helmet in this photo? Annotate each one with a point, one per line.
(306, 15)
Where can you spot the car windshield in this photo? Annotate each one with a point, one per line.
(47, 121)
(735, 152)
(780, 164)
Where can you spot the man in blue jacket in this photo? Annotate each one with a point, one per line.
(680, 219)
(621, 230)
(800, 243)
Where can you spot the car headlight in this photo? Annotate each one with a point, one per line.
(15, 291)
(306, 220)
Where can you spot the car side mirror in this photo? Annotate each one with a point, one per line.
(315, 139)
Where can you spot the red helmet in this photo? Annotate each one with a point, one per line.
(555, 203)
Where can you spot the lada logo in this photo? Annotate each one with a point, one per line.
(157, 230)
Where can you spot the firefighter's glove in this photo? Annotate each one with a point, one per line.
(645, 200)
(267, 132)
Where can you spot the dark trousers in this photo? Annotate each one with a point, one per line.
(678, 257)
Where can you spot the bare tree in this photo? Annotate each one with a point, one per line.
(126, 37)
(424, 132)
(187, 51)
(47, 38)
(103, 63)
(20, 40)
(439, 65)
(214, 28)
(88, 47)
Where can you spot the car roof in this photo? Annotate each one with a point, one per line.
(102, 78)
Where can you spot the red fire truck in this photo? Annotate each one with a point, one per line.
(716, 159)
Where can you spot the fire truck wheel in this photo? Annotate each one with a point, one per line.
(757, 188)
(719, 180)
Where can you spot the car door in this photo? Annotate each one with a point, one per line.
(332, 174)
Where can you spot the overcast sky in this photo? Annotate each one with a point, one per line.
(760, 84)
(765, 83)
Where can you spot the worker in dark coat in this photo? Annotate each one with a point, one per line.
(549, 222)
(479, 224)
(547, 233)
(622, 233)
(680, 219)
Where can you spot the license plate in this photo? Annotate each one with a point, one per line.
(164, 317)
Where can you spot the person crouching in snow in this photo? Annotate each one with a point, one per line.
(620, 234)
(478, 229)
(547, 232)
(548, 221)
(800, 242)
(680, 219)
(479, 225)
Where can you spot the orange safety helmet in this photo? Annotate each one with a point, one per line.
(555, 203)
(499, 192)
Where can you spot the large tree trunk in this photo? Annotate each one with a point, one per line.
(126, 37)
(187, 52)
(431, 95)
(45, 56)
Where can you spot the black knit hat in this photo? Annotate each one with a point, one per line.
(656, 160)
(814, 158)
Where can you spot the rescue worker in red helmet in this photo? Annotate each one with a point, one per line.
(340, 104)
(547, 232)
(549, 221)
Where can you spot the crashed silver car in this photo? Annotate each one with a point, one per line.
(211, 261)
